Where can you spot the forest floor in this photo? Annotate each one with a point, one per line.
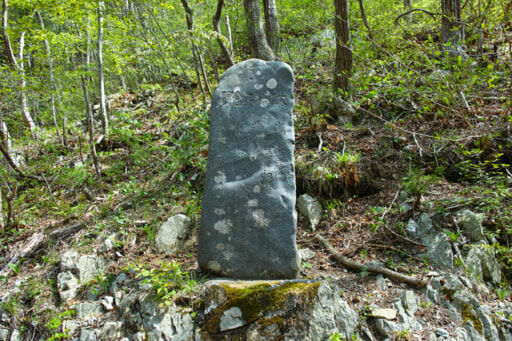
(153, 167)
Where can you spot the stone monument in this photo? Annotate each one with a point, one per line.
(248, 221)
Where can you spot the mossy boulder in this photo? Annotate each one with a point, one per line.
(274, 310)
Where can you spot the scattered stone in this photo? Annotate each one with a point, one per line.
(384, 313)
(412, 227)
(345, 110)
(442, 332)
(86, 310)
(489, 266)
(472, 333)
(381, 282)
(69, 260)
(70, 326)
(471, 224)
(231, 319)
(306, 254)
(112, 330)
(324, 38)
(387, 328)
(107, 302)
(409, 301)
(425, 229)
(108, 244)
(311, 209)
(67, 284)
(90, 266)
(440, 252)
(248, 220)
(173, 235)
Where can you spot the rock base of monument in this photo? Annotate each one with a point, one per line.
(272, 310)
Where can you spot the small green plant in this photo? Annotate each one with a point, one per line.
(336, 337)
(167, 281)
(453, 236)
(416, 183)
(54, 325)
(306, 265)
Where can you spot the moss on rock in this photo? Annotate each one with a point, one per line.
(264, 301)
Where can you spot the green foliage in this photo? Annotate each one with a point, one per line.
(416, 183)
(168, 280)
(55, 323)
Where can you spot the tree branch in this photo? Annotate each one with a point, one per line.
(433, 15)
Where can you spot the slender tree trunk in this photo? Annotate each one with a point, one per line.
(451, 28)
(27, 117)
(5, 139)
(17, 65)
(90, 129)
(256, 36)
(53, 88)
(365, 19)
(101, 80)
(343, 61)
(195, 51)
(272, 30)
(228, 32)
(216, 27)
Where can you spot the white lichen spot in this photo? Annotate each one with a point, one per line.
(252, 203)
(236, 89)
(258, 86)
(228, 255)
(271, 83)
(264, 102)
(223, 226)
(252, 156)
(259, 218)
(238, 178)
(219, 211)
(258, 73)
(220, 177)
(231, 319)
(220, 246)
(214, 265)
(256, 189)
(222, 140)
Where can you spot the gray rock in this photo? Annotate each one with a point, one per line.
(67, 284)
(231, 319)
(69, 260)
(90, 266)
(4, 334)
(490, 330)
(248, 221)
(172, 236)
(120, 282)
(345, 110)
(387, 328)
(139, 336)
(107, 302)
(86, 310)
(425, 230)
(108, 244)
(306, 254)
(472, 333)
(70, 326)
(461, 334)
(381, 282)
(442, 332)
(311, 209)
(412, 227)
(409, 301)
(490, 267)
(440, 252)
(471, 224)
(289, 310)
(324, 38)
(88, 335)
(112, 330)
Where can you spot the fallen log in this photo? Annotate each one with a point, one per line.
(353, 265)
(36, 242)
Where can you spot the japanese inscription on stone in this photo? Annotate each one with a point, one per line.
(248, 220)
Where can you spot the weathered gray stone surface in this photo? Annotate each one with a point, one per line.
(173, 235)
(311, 209)
(471, 224)
(67, 284)
(90, 266)
(248, 221)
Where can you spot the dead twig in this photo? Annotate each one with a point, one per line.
(38, 241)
(353, 265)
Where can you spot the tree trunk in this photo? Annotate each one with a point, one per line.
(195, 50)
(223, 47)
(272, 30)
(53, 88)
(365, 19)
(101, 80)
(5, 139)
(228, 32)
(90, 129)
(451, 27)
(7, 42)
(255, 34)
(343, 61)
(25, 112)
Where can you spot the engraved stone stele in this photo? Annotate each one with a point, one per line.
(248, 221)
